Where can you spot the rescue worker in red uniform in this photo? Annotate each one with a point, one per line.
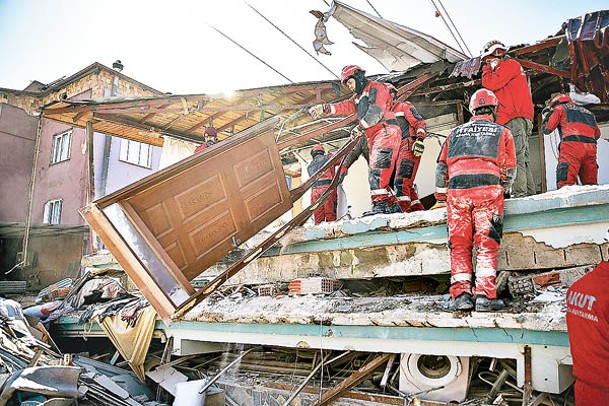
(327, 211)
(210, 137)
(578, 135)
(413, 133)
(372, 103)
(506, 78)
(588, 327)
(475, 171)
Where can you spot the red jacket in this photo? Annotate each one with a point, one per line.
(373, 107)
(574, 123)
(509, 83)
(477, 153)
(588, 326)
(410, 121)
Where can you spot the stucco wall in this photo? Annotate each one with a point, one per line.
(17, 140)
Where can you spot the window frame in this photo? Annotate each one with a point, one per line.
(51, 213)
(63, 135)
(124, 152)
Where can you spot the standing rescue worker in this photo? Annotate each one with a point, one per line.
(412, 128)
(475, 169)
(372, 103)
(506, 78)
(588, 328)
(578, 135)
(327, 211)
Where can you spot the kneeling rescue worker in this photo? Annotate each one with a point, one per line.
(478, 164)
(372, 103)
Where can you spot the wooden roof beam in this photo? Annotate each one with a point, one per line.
(111, 118)
(444, 88)
(547, 43)
(543, 68)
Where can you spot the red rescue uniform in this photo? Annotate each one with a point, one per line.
(577, 151)
(476, 165)
(412, 126)
(327, 211)
(373, 108)
(588, 327)
(509, 83)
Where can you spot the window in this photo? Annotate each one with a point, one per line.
(52, 212)
(61, 147)
(136, 153)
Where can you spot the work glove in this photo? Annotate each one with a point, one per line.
(440, 201)
(356, 132)
(506, 194)
(418, 147)
(545, 113)
(493, 64)
(319, 110)
(439, 204)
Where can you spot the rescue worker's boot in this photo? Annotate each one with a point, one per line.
(395, 208)
(462, 302)
(484, 304)
(378, 207)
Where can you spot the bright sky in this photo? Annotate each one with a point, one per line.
(171, 46)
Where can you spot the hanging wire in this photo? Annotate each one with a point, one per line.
(448, 26)
(290, 38)
(242, 47)
(453, 24)
(375, 10)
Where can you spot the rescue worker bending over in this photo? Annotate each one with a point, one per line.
(327, 211)
(372, 103)
(412, 128)
(506, 78)
(475, 169)
(578, 135)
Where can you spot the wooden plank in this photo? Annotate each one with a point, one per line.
(543, 68)
(547, 43)
(353, 380)
(121, 251)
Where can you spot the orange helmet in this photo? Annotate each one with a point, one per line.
(349, 71)
(481, 98)
(493, 48)
(317, 149)
(561, 98)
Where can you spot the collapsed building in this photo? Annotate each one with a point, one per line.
(358, 300)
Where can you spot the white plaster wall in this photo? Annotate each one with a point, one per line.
(551, 142)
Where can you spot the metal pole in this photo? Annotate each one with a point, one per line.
(313, 372)
(229, 366)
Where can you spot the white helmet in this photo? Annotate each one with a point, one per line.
(495, 48)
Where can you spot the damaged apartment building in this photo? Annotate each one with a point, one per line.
(221, 288)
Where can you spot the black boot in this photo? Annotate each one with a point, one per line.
(395, 208)
(484, 304)
(378, 207)
(462, 302)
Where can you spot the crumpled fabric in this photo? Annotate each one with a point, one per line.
(321, 36)
(131, 341)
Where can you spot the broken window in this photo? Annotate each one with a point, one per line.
(136, 153)
(52, 211)
(61, 147)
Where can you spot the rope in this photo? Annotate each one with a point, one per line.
(377, 13)
(453, 24)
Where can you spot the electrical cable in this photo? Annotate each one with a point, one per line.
(447, 26)
(246, 50)
(377, 13)
(290, 38)
(455, 27)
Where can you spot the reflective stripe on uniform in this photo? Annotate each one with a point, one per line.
(460, 277)
(377, 192)
(441, 189)
(485, 272)
(404, 198)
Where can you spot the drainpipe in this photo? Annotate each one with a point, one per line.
(117, 66)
